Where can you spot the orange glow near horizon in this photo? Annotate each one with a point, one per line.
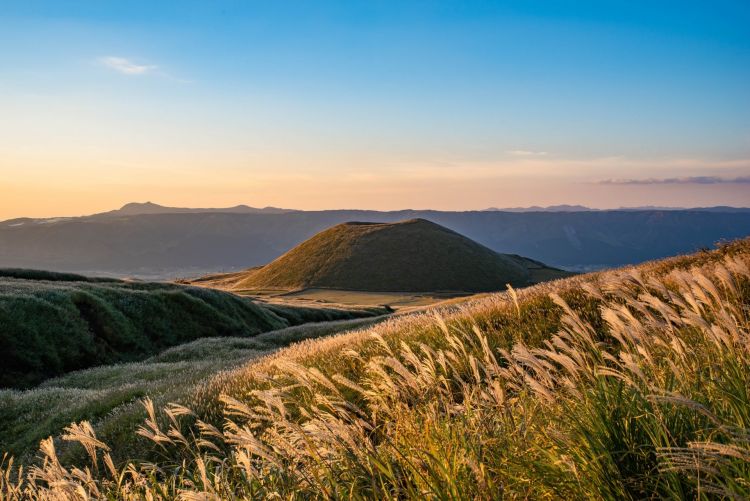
(327, 183)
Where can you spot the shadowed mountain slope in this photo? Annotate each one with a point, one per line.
(408, 256)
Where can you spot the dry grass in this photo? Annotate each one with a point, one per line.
(622, 385)
(109, 396)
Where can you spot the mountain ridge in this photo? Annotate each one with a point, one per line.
(150, 208)
(158, 246)
(583, 208)
(143, 208)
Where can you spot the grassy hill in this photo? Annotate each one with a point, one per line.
(626, 384)
(53, 323)
(408, 256)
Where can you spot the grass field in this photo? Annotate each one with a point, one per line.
(627, 384)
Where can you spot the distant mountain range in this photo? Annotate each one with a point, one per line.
(536, 208)
(148, 240)
(135, 208)
(583, 208)
(147, 208)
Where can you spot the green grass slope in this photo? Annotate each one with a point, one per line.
(54, 323)
(409, 256)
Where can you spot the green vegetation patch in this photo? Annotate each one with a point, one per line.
(50, 276)
(51, 324)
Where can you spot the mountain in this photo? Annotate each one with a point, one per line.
(407, 256)
(191, 244)
(136, 209)
(536, 208)
(583, 208)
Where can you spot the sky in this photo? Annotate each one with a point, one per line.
(453, 105)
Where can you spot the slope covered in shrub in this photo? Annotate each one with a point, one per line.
(54, 323)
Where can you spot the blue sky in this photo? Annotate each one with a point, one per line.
(383, 105)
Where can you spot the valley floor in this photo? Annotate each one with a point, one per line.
(349, 298)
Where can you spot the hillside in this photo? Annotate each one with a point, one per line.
(52, 323)
(626, 384)
(408, 256)
(176, 245)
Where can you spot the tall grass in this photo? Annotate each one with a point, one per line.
(643, 391)
(109, 395)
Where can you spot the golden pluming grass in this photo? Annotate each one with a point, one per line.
(641, 391)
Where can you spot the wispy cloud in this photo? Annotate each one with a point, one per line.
(526, 153)
(681, 180)
(126, 66)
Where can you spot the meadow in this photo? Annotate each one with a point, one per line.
(626, 384)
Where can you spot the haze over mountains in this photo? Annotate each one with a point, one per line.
(154, 241)
(580, 208)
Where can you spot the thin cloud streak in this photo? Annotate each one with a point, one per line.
(680, 180)
(526, 153)
(126, 66)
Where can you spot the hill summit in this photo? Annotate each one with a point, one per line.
(408, 256)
